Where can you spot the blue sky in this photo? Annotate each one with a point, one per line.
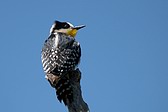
(124, 54)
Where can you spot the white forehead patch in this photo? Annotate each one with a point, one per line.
(70, 24)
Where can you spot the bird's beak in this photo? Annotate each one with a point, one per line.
(79, 27)
(74, 30)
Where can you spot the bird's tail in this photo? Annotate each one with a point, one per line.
(64, 90)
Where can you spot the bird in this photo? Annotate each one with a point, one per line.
(60, 55)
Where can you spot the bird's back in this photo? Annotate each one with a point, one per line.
(60, 53)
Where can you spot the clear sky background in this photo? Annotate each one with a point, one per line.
(124, 54)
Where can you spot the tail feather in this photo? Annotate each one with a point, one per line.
(64, 90)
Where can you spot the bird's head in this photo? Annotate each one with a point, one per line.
(66, 28)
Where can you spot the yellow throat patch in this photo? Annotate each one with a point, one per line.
(72, 32)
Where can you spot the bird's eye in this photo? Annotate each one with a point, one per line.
(66, 26)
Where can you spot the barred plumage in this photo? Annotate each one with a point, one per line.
(59, 59)
(61, 54)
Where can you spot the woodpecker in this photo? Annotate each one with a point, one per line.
(60, 55)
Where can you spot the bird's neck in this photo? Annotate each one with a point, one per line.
(62, 39)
